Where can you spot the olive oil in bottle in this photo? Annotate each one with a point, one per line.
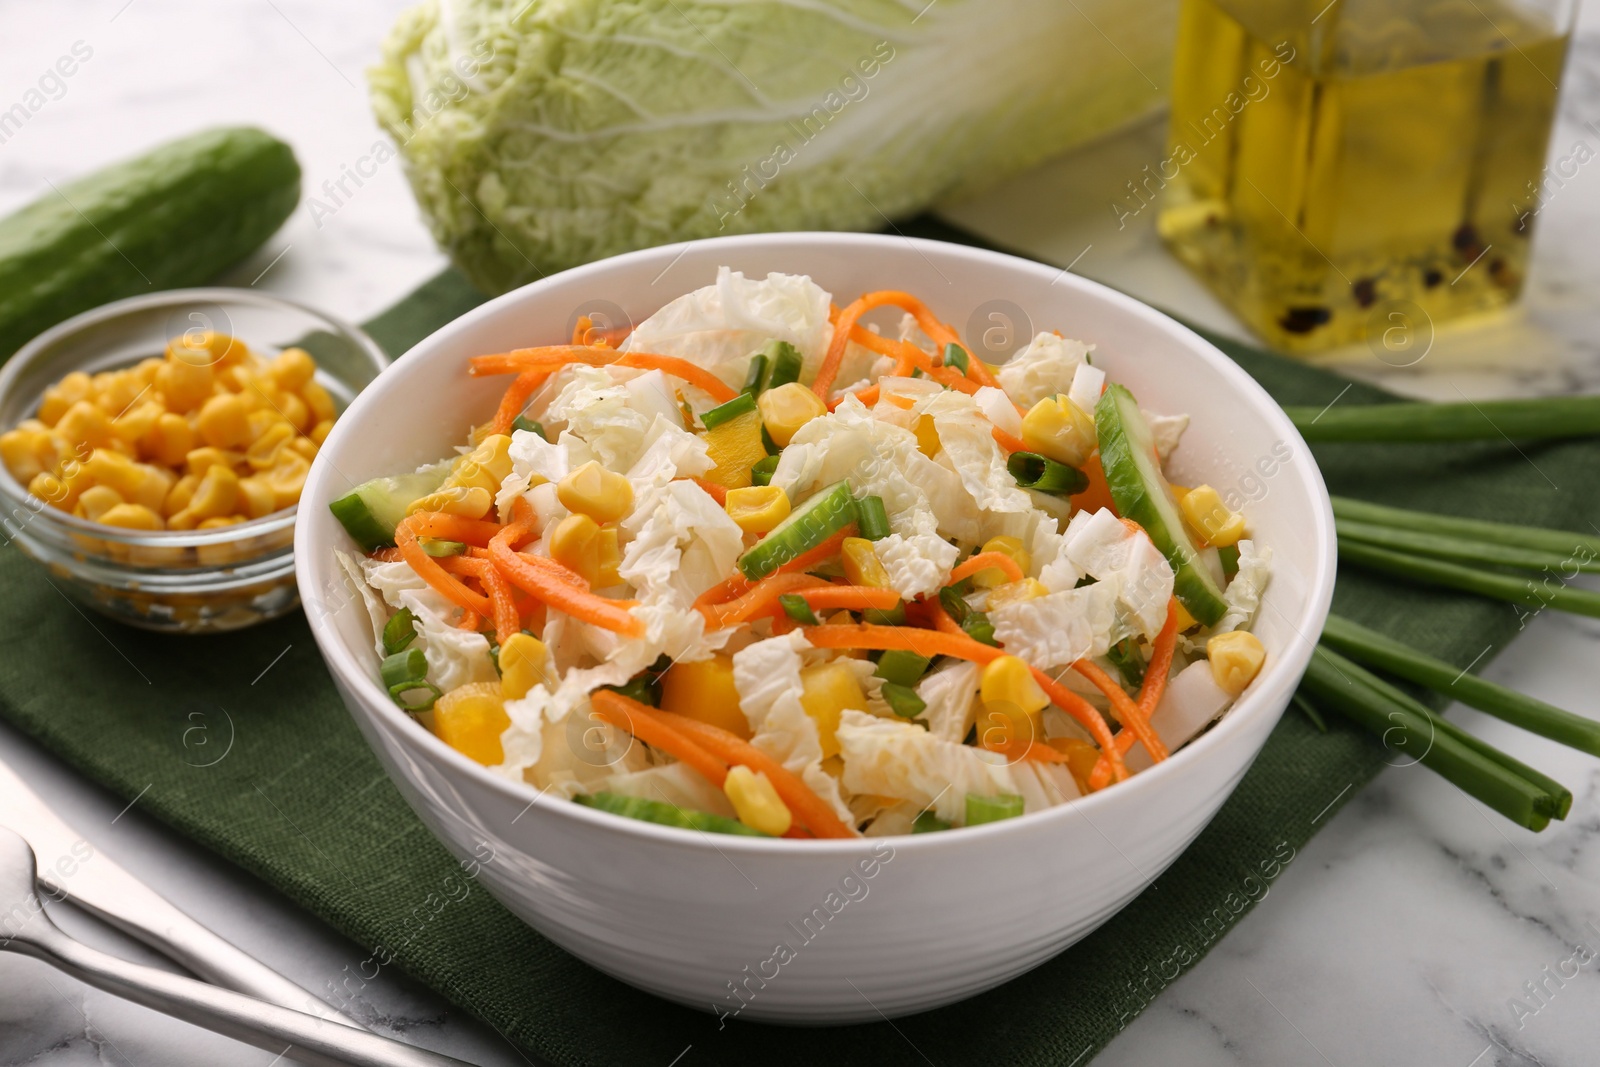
(1329, 162)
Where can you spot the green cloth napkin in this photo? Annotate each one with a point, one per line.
(240, 742)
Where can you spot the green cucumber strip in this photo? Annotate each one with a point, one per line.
(874, 518)
(902, 667)
(903, 700)
(824, 514)
(370, 512)
(665, 814)
(755, 378)
(399, 631)
(794, 605)
(927, 822)
(992, 809)
(786, 363)
(1229, 554)
(742, 404)
(1141, 493)
(761, 472)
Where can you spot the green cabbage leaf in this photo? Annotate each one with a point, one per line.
(539, 134)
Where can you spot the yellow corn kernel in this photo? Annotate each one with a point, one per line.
(169, 440)
(292, 368)
(96, 500)
(217, 493)
(990, 577)
(734, 447)
(591, 490)
(223, 422)
(1013, 704)
(256, 497)
(116, 391)
(145, 371)
(575, 544)
(180, 494)
(58, 398)
(756, 801)
(185, 520)
(53, 490)
(200, 460)
(704, 690)
(85, 423)
(757, 508)
(927, 436)
(208, 347)
(522, 666)
(19, 452)
(108, 467)
(184, 383)
(1058, 429)
(826, 690)
(151, 486)
(263, 451)
(317, 401)
(787, 408)
(1236, 658)
(1015, 592)
(1209, 517)
(319, 432)
(292, 408)
(134, 423)
(861, 563)
(470, 719)
(131, 517)
(287, 479)
(609, 550)
(261, 420)
(219, 521)
(458, 500)
(305, 446)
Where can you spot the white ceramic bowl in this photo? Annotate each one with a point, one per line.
(871, 927)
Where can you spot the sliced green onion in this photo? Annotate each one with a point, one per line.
(398, 692)
(1516, 791)
(954, 604)
(992, 809)
(979, 628)
(761, 472)
(742, 404)
(794, 605)
(1462, 550)
(1033, 471)
(665, 814)
(895, 616)
(409, 666)
(437, 548)
(1482, 420)
(1516, 590)
(902, 667)
(399, 631)
(1229, 555)
(927, 822)
(641, 687)
(522, 422)
(955, 356)
(1309, 710)
(786, 363)
(873, 520)
(1379, 650)
(756, 376)
(903, 700)
(1576, 547)
(1128, 660)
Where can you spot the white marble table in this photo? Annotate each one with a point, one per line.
(1401, 935)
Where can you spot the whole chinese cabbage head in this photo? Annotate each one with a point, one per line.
(539, 134)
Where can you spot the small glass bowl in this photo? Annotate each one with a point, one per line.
(190, 581)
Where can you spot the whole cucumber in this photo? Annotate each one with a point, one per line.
(176, 216)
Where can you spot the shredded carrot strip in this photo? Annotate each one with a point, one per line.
(507, 619)
(762, 599)
(559, 587)
(719, 493)
(439, 524)
(554, 357)
(1098, 494)
(516, 399)
(1155, 684)
(1127, 710)
(468, 621)
(852, 597)
(636, 718)
(1009, 443)
(580, 330)
(984, 561)
(806, 806)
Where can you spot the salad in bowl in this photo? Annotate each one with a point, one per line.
(784, 562)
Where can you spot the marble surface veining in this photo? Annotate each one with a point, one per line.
(1416, 928)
